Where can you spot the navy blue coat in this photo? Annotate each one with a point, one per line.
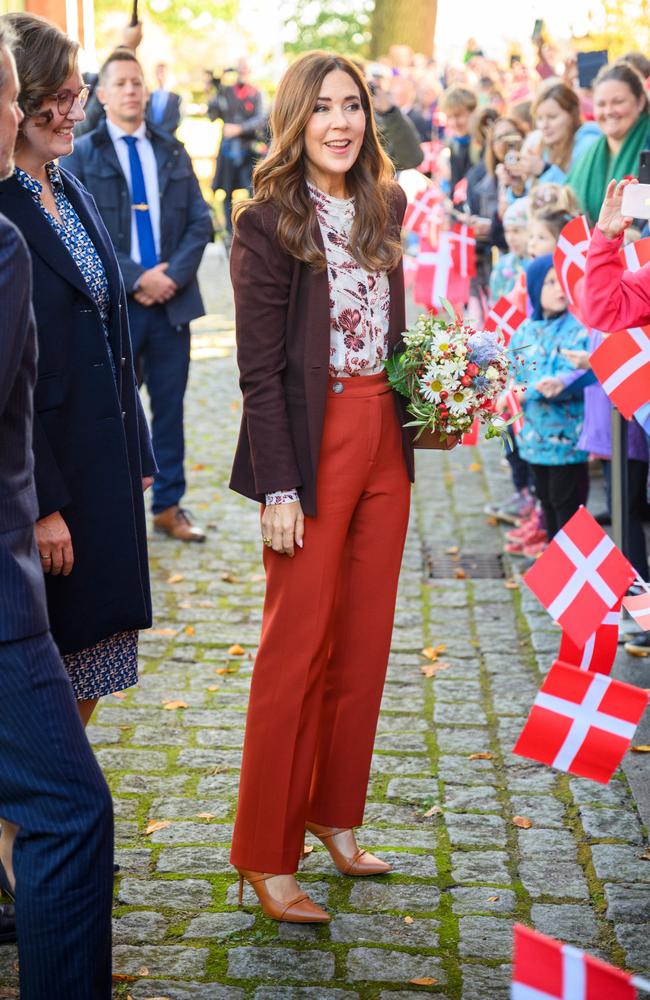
(22, 594)
(91, 441)
(185, 223)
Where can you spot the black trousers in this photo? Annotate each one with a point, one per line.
(560, 489)
(636, 486)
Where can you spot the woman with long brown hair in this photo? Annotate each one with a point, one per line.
(319, 296)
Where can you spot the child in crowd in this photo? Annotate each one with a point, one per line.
(510, 265)
(458, 105)
(552, 404)
(551, 206)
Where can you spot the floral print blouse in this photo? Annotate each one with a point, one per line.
(359, 303)
(76, 240)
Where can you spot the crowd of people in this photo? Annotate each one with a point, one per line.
(102, 231)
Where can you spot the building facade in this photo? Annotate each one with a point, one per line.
(74, 16)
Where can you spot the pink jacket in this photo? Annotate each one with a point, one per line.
(613, 298)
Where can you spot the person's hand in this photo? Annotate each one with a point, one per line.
(531, 162)
(231, 131)
(284, 524)
(550, 387)
(147, 481)
(144, 300)
(54, 545)
(480, 226)
(132, 36)
(611, 220)
(579, 359)
(156, 284)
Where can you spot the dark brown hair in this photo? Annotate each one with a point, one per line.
(567, 99)
(121, 54)
(45, 58)
(626, 73)
(280, 177)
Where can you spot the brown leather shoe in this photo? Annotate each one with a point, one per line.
(299, 910)
(361, 863)
(175, 522)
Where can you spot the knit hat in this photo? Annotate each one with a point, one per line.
(516, 214)
(535, 277)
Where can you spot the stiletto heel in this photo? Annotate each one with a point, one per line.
(299, 910)
(361, 863)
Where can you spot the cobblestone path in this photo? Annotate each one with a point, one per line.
(444, 788)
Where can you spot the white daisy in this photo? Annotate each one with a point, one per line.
(459, 401)
(433, 383)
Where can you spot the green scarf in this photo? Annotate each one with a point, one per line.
(597, 167)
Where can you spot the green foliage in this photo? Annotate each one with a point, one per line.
(341, 26)
(177, 19)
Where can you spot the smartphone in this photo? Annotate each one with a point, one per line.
(537, 30)
(511, 158)
(636, 197)
(588, 64)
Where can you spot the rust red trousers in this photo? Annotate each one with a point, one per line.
(328, 618)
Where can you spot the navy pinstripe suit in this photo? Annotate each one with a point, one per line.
(50, 783)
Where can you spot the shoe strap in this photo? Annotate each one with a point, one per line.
(357, 857)
(292, 902)
(332, 833)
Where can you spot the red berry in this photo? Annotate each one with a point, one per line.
(466, 380)
(444, 394)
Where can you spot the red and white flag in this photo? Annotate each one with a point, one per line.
(431, 152)
(580, 576)
(513, 409)
(546, 969)
(635, 255)
(419, 212)
(599, 651)
(505, 317)
(459, 194)
(463, 249)
(410, 267)
(435, 278)
(581, 722)
(622, 366)
(570, 257)
(470, 437)
(639, 607)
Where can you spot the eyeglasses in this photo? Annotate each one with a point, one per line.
(65, 99)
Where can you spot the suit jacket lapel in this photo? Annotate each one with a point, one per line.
(97, 234)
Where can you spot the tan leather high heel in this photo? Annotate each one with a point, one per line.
(362, 863)
(300, 910)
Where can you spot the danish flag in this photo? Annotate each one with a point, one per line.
(410, 267)
(580, 576)
(639, 607)
(599, 651)
(431, 152)
(570, 257)
(581, 722)
(622, 366)
(417, 217)
(463, 249)
(505, 317)
(546, 969)
(435, 278)
(459, 194)
(636, 255)
(470, 437)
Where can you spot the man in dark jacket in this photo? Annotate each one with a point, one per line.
(151, 203)
(239, 106)
(51, 788)
(164, 106)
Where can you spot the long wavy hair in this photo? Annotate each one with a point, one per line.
(280, 177)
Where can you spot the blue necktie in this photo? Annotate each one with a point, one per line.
(140, 205)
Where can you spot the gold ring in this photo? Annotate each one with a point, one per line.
(267, 541)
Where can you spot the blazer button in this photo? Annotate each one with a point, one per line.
(337, 387)
(123, 414)
(122, 362)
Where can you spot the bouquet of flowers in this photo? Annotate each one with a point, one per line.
(451, 375)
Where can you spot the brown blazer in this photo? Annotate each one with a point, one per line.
(283, 342)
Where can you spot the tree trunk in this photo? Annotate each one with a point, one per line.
(403, 22)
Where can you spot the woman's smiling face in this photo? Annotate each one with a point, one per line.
(335, 131)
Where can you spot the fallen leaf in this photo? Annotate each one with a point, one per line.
(642, 748)
(257, 578)
(143, 971)
(453, 550)
(175, 578)
(307, 849)
(177, 703)
(122, 977)
(189, 630)
(480, 756)
(433, 811)
(185, 605)
(460, 574)
(646, 855)
(207, 604)
(475, 467)
(229, 578)
(234, 407)
(156, 824)
(161, 631)
(493, 899)
(522, 822)
(198, 467)
(431, 669)
(633, 651)
(225, 670)
(205, 815)
(433, 652)
(408, 920)
(236, 650)
(213, 687)
(423, 981)
(119, 694)
(492, 521)
(219, 769)
(511, 585)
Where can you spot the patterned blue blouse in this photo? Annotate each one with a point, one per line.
(75, 239)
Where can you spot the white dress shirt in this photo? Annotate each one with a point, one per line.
(150, 172)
